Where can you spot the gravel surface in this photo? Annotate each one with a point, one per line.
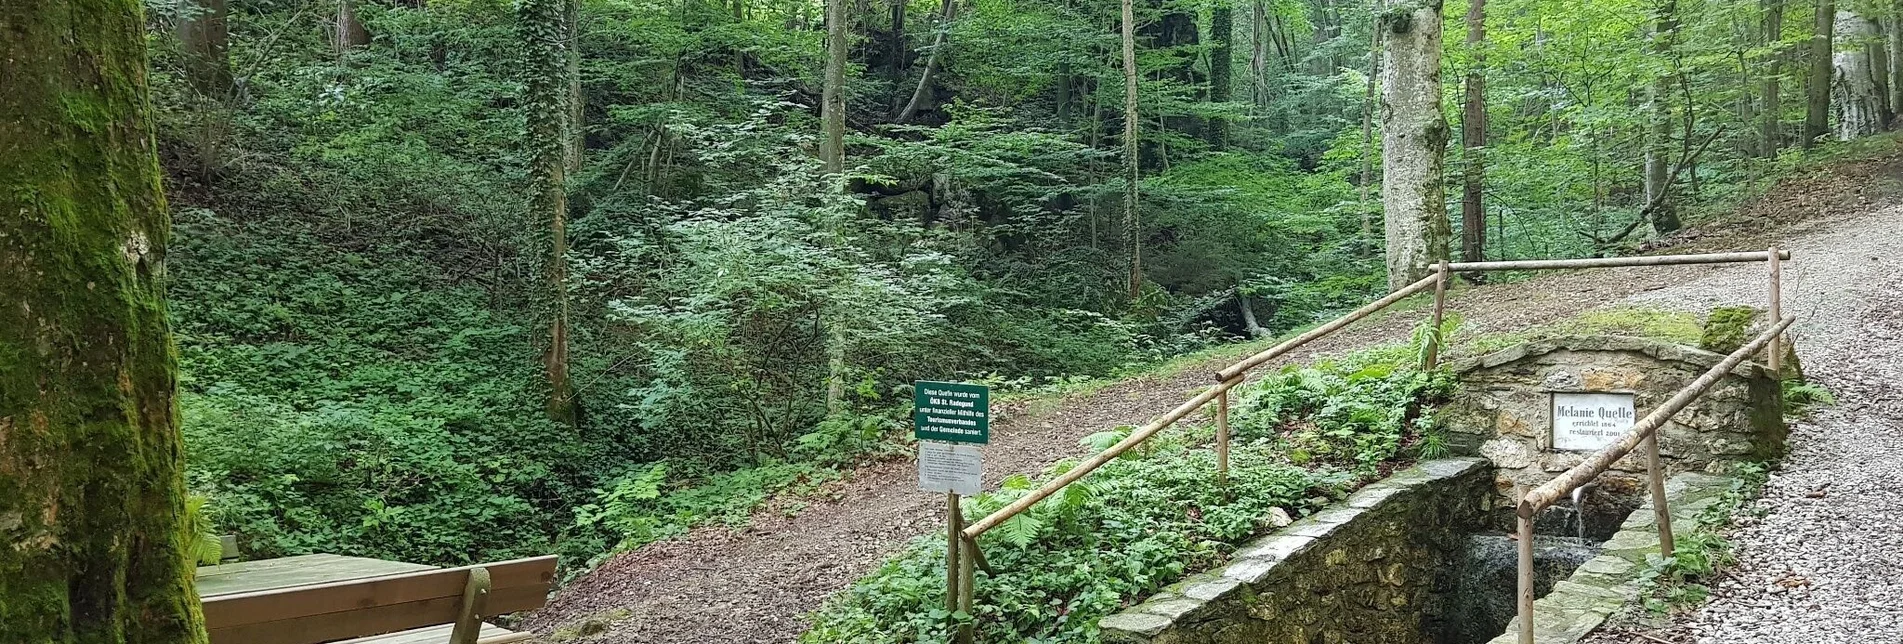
(1824, 564)
(751, 585)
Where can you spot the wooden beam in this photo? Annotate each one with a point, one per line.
(1251, 362)
(1615, 262)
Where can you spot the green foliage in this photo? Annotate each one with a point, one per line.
(639, 508)
(1802, 396)
(1153, 516)
(1700, 551)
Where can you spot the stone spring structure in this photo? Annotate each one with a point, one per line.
(1386, 566)
(1503, 409)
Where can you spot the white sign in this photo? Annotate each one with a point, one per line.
(1590, 421)
(950, 467)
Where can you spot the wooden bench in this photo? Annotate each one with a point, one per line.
(426, 605)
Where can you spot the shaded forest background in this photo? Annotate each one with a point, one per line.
(366, 270)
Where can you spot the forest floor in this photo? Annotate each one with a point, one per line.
(752, 584)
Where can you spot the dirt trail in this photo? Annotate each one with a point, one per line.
(751, 585)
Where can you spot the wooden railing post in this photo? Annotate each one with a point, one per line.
(1526, 572)
(1432, 357)
(1775, 349)
(1222, 440)
(1656, 475)
(967, 570)
(954, 520)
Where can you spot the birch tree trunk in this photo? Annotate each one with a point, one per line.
(1413, 142)
(93, 549)
(1132, 221)
(1817, 83)
(1859, 112)
(1658, 109)
(544, 25)
(1473, 138)
(832, 107)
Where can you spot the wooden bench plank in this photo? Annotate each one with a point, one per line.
(491, 634)
(388, 618)
(252, 576)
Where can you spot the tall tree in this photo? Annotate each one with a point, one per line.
(1473, 137)
(1859, 108)
(571, 14)
(205, 37)
(350, 31)
(544, 25)
(1367, 123)
(1893, 41)
(1413, 142)
(924, 88)
(1222, 27)
(832, 107)
(93, 547)
(1817, 83)
(1658, 114)
(1770, 135)
(1132, 221)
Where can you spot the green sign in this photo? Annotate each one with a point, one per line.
(953, 412)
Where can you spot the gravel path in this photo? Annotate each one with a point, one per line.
(751, 585)
(1825, 562)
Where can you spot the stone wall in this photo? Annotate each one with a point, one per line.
(1501, 410)
(1370, 570)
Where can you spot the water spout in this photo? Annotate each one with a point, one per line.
(1579, 508)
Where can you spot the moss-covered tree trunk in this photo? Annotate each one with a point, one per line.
(1413, 142)
(92, 496)
(544, 25)
(1473, 138)
(1222, 34)
(1132, 220)
(1658, 114)
(1817, 81)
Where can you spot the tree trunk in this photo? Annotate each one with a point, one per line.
(93, 546)
(350, 31)
(832, 108)
(1259, 56)
(1817, 83)
(543, 24)
(576, 140)
(1132, 222)
(1222, 27)
(1893, 37)
(1658, 111)
(1473, 138)
(1858, 110)
(1367, 129)
(1413, 142)
(1880, 73)
(924, 89)
(1770, 136)
(1248, 317)
(206, 41)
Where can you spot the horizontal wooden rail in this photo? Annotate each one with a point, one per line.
(1615, 262)
(1230, 372)
(1550, 492)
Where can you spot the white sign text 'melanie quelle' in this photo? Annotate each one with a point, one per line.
(1590, 421)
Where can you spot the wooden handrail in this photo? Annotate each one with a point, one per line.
(1230, 372)
(1615, 262)
(1551, 491)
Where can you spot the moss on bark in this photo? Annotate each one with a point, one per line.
(91, 487)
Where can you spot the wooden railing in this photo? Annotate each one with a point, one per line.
(964, 557)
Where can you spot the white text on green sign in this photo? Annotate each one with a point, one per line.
(951, 411)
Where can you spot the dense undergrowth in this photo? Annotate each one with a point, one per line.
(1305, 437)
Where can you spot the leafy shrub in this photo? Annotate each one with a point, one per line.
(1344, 413)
